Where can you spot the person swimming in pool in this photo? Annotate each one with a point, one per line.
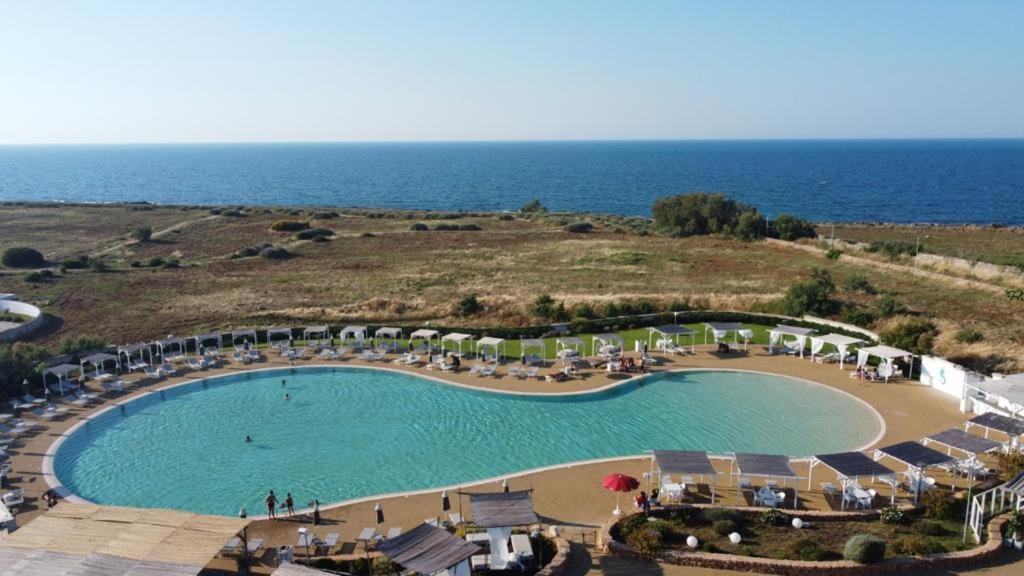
(283, 382)
(287, 396)
(248, 439)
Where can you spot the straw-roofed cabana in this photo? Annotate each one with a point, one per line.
(428, 549)
(119, 539)
(666, 338)
(840, 342)
(499, 512)
(796, 344)
(849, 468)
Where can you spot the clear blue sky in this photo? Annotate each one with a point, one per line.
(181, 71)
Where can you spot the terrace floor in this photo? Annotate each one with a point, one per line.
(567, 496)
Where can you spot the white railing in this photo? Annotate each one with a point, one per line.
(991, 503)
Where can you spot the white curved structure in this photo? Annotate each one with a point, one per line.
(9, 331)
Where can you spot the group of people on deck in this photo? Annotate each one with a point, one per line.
(626, 364)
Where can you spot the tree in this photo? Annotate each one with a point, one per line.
(703, 213)
(22, 257)
(812, 296)
(915, 335)
(750, 225)
(787, 227)
(533, 207)
(19, 362)
(544, 306)
(470, 306)
(143, 233)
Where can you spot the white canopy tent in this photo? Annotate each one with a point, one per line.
(799, 336)
(61, 371)
(317, 335)
(279, 336)
(427, 335)
(245, 335)
(666, 338)
(457, 339)
(569, 346)
(98, 362)
(888, 355)
(392, 333)
(721, 330)
(605, 343)
(175, 345)
(529, 344)
(357, 333)
(496, 344)
(130, 350)
(204, 340)
(841, 343)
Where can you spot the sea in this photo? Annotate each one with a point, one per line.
(906, 181)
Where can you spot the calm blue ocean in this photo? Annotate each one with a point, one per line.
(947, 181)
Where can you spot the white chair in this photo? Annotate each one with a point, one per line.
(14, 499)
(829, 489)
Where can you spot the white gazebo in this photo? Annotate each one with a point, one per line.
(61, 371)
(245, 335)
(392, 333)
(357, 333)
(530, 344)
(721, 330)
(427, 335)
(606, 343)
(888, 355)
(98, 361)
(317, 335)
(797, 334)
(666, 338)
(204, 340)
(130, 350)
(841, 343)
(457, 339)
(569, 346)
(173, 344)
(279, 336)
(496, 344)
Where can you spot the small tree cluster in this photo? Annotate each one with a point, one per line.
(702, 213)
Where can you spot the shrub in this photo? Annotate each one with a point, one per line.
(583, 310)
(384, 566)
(579, 227)
(469, 228)
(253, 250)
(470, 306)
(631, 524)
(172, 264)
(892, 515)
(533, 207)
(419, 227)
(858, 283)
(858, 316)
(233, 213)
(367, 235)
(715, 514)
(314, 233)
(155, 262)
(787, 227)
(710, 548)
(135, 264)
(330, 215)
(36, 278)
(833, 254)
(445, 227)
(97, 265)
(915, 335)
(1015, 294)
(22, 257)
(544, 306)
(663, 527)
(506, 217)
(773, 517)
(684, 515)
(75, 263)
(289, 226)
(916, 545)
(813, 296)
(275, 253)
(143, 233)
(646, 542)
(938, 505)
(807, 549)
(968, 335)
(887, 307)
(864, 549)
(892, 249)
(702, 213)
(724, 527)
(19, 361)
(1010, 463)
(927, 528)
(81, 344)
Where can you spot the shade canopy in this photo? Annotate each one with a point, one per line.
(201, 338)
(853, 464)
(671, 330)
(316, 330)
(528, 343)
(427, 549)
(915, 455)
(455, 337)
(290, 569)
(957, 438)
(490, 341)
(502, 509)
(837, 340)
(886, 352)
(683, 462)
(61, 370)
(388, 332)
(98, 359)
(999, 423)
(243, 334)
(764, 465)
(424, 333)
(792, 330)
(170, 341)
(724, 326)
(609, 338)
(133, 348)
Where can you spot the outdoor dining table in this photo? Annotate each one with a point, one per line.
(672, 490)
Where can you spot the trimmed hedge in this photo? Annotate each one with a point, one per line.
(864, 549)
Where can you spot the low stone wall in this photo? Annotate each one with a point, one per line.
(991, 549)
(560, 563)
(22, 330)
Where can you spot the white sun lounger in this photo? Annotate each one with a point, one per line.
(12, 432)
(532, 372)
(43, 414)
(392, 532)
(114, 386)
(456, 518)
(329, 542)
(196, 364)
(254, 545)
(167, 369)
(488, 370)
(231, 547)
(19, 405)
(151, 372)
(30, 399)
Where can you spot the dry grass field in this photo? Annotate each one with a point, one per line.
(1003, 246)
(376, 269)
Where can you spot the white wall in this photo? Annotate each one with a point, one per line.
(943, 375)
(21, 330)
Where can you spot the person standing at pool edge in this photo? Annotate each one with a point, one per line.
(289, 504)
(272, 505)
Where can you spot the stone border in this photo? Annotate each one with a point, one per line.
(991, 549)
(558, 565)
(50, 476)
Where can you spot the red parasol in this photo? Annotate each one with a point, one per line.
(619, 483)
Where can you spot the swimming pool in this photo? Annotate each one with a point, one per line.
(348, 433)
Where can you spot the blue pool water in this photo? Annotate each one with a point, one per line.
(837, 180)
(351, 432)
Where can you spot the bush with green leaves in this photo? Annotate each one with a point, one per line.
(892, 248)
(19, 361)
(81, 344)
(724, 527)
(786, 227)
(275, 253)
(858, 282)
(713, 515)
(97, 265)
(631, 523)
(887, 306)
(833, 254)
(646, 542)
(314, 233)
(39, 276)
(812, 296)
(470, 306)
(807, 549)
(858, 316)
(1015, 294)
(75, 263)
(929, 528)
(916, 335)
(22, 257)
(469, 228)
(969, 335)
(864, 549)
(579, 227)
(892, 515)
(533, 207)
(143, 233)
(939, 505)
(917, 545)
(289, 225)
(773, 517)
(506, 217)
(384, 566)
(419, 227)
(702, 213)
